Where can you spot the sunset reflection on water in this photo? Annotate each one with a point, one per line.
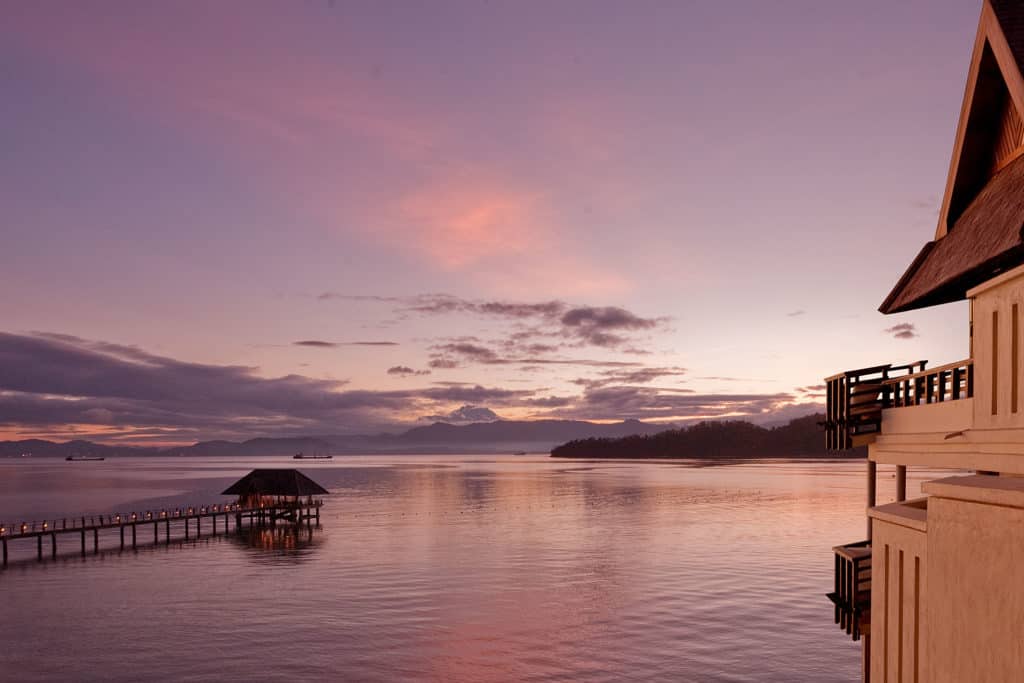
(456, 568)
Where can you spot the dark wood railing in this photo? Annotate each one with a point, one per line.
(936, 385)
(852, 594)
(855, 398)
(854, 401)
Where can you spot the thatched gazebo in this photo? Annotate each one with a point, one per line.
(276, 488)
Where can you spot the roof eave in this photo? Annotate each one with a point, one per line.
(887, 305)
(956, 288)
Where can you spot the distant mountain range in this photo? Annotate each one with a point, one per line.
(502, 436)
(801, 437)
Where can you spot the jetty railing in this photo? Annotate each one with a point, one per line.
(852, 594)
(265, 513)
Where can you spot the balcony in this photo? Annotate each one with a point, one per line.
(855, 399)
(852, 594)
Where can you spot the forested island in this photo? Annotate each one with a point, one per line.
(800, 438)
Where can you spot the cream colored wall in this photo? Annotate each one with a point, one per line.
(994, 376)
(898, 580)
(975, 606)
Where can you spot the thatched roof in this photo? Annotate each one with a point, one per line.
(985, 241)
(285, 482)
(979, 231)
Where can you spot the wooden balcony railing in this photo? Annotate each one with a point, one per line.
(854, 400)
(944, 383)
(852, 594)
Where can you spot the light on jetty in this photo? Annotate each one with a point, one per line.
(265, 497)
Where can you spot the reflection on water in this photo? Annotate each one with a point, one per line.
(449, 568)
(283, 544)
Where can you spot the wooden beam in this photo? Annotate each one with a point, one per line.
(872, 483)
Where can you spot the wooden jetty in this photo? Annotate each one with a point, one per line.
(265, 498)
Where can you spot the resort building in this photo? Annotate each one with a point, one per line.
(935, 591)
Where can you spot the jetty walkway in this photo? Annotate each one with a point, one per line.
(172, 521)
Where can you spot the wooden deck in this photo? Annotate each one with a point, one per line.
(177, 520)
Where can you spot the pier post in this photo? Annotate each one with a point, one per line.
(901, 483)
(214, 520)
(318, 515)
(186, 528)
(156, 532)
(122, 536)
(83, 542)
(199, 526)
(5, 551)
(53, 545)
(133, 536)
(39, 547)
(167, 531)
(95, 541)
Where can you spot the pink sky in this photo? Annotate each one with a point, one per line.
(595, 210)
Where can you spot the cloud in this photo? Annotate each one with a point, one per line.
(629, 376)
(903, 331)
(406, 371)
(59, 384)
(453, 354)
(811, 391)
(534, 323)
(720, 378)
(550, 401)
(60, 381)
(320, 344)
(467, 414)
(459, 221)
(651, 403)
(471, 352)
(435, 304)
(595, 324)
(796, 313)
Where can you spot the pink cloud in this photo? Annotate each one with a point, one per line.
(459, 225)
(290, 118)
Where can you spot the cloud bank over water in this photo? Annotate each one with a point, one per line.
(64, 386)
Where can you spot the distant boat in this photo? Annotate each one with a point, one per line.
(301, 456)
(84, 458)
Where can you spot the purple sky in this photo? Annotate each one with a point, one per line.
(522, 198)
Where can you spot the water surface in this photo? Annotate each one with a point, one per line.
(444, 568)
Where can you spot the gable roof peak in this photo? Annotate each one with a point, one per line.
(990, 129)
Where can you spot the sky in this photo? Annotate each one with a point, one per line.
(237, 219)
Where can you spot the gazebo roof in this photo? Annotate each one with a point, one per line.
(275, 482)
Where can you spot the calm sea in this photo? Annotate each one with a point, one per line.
(443, 568)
